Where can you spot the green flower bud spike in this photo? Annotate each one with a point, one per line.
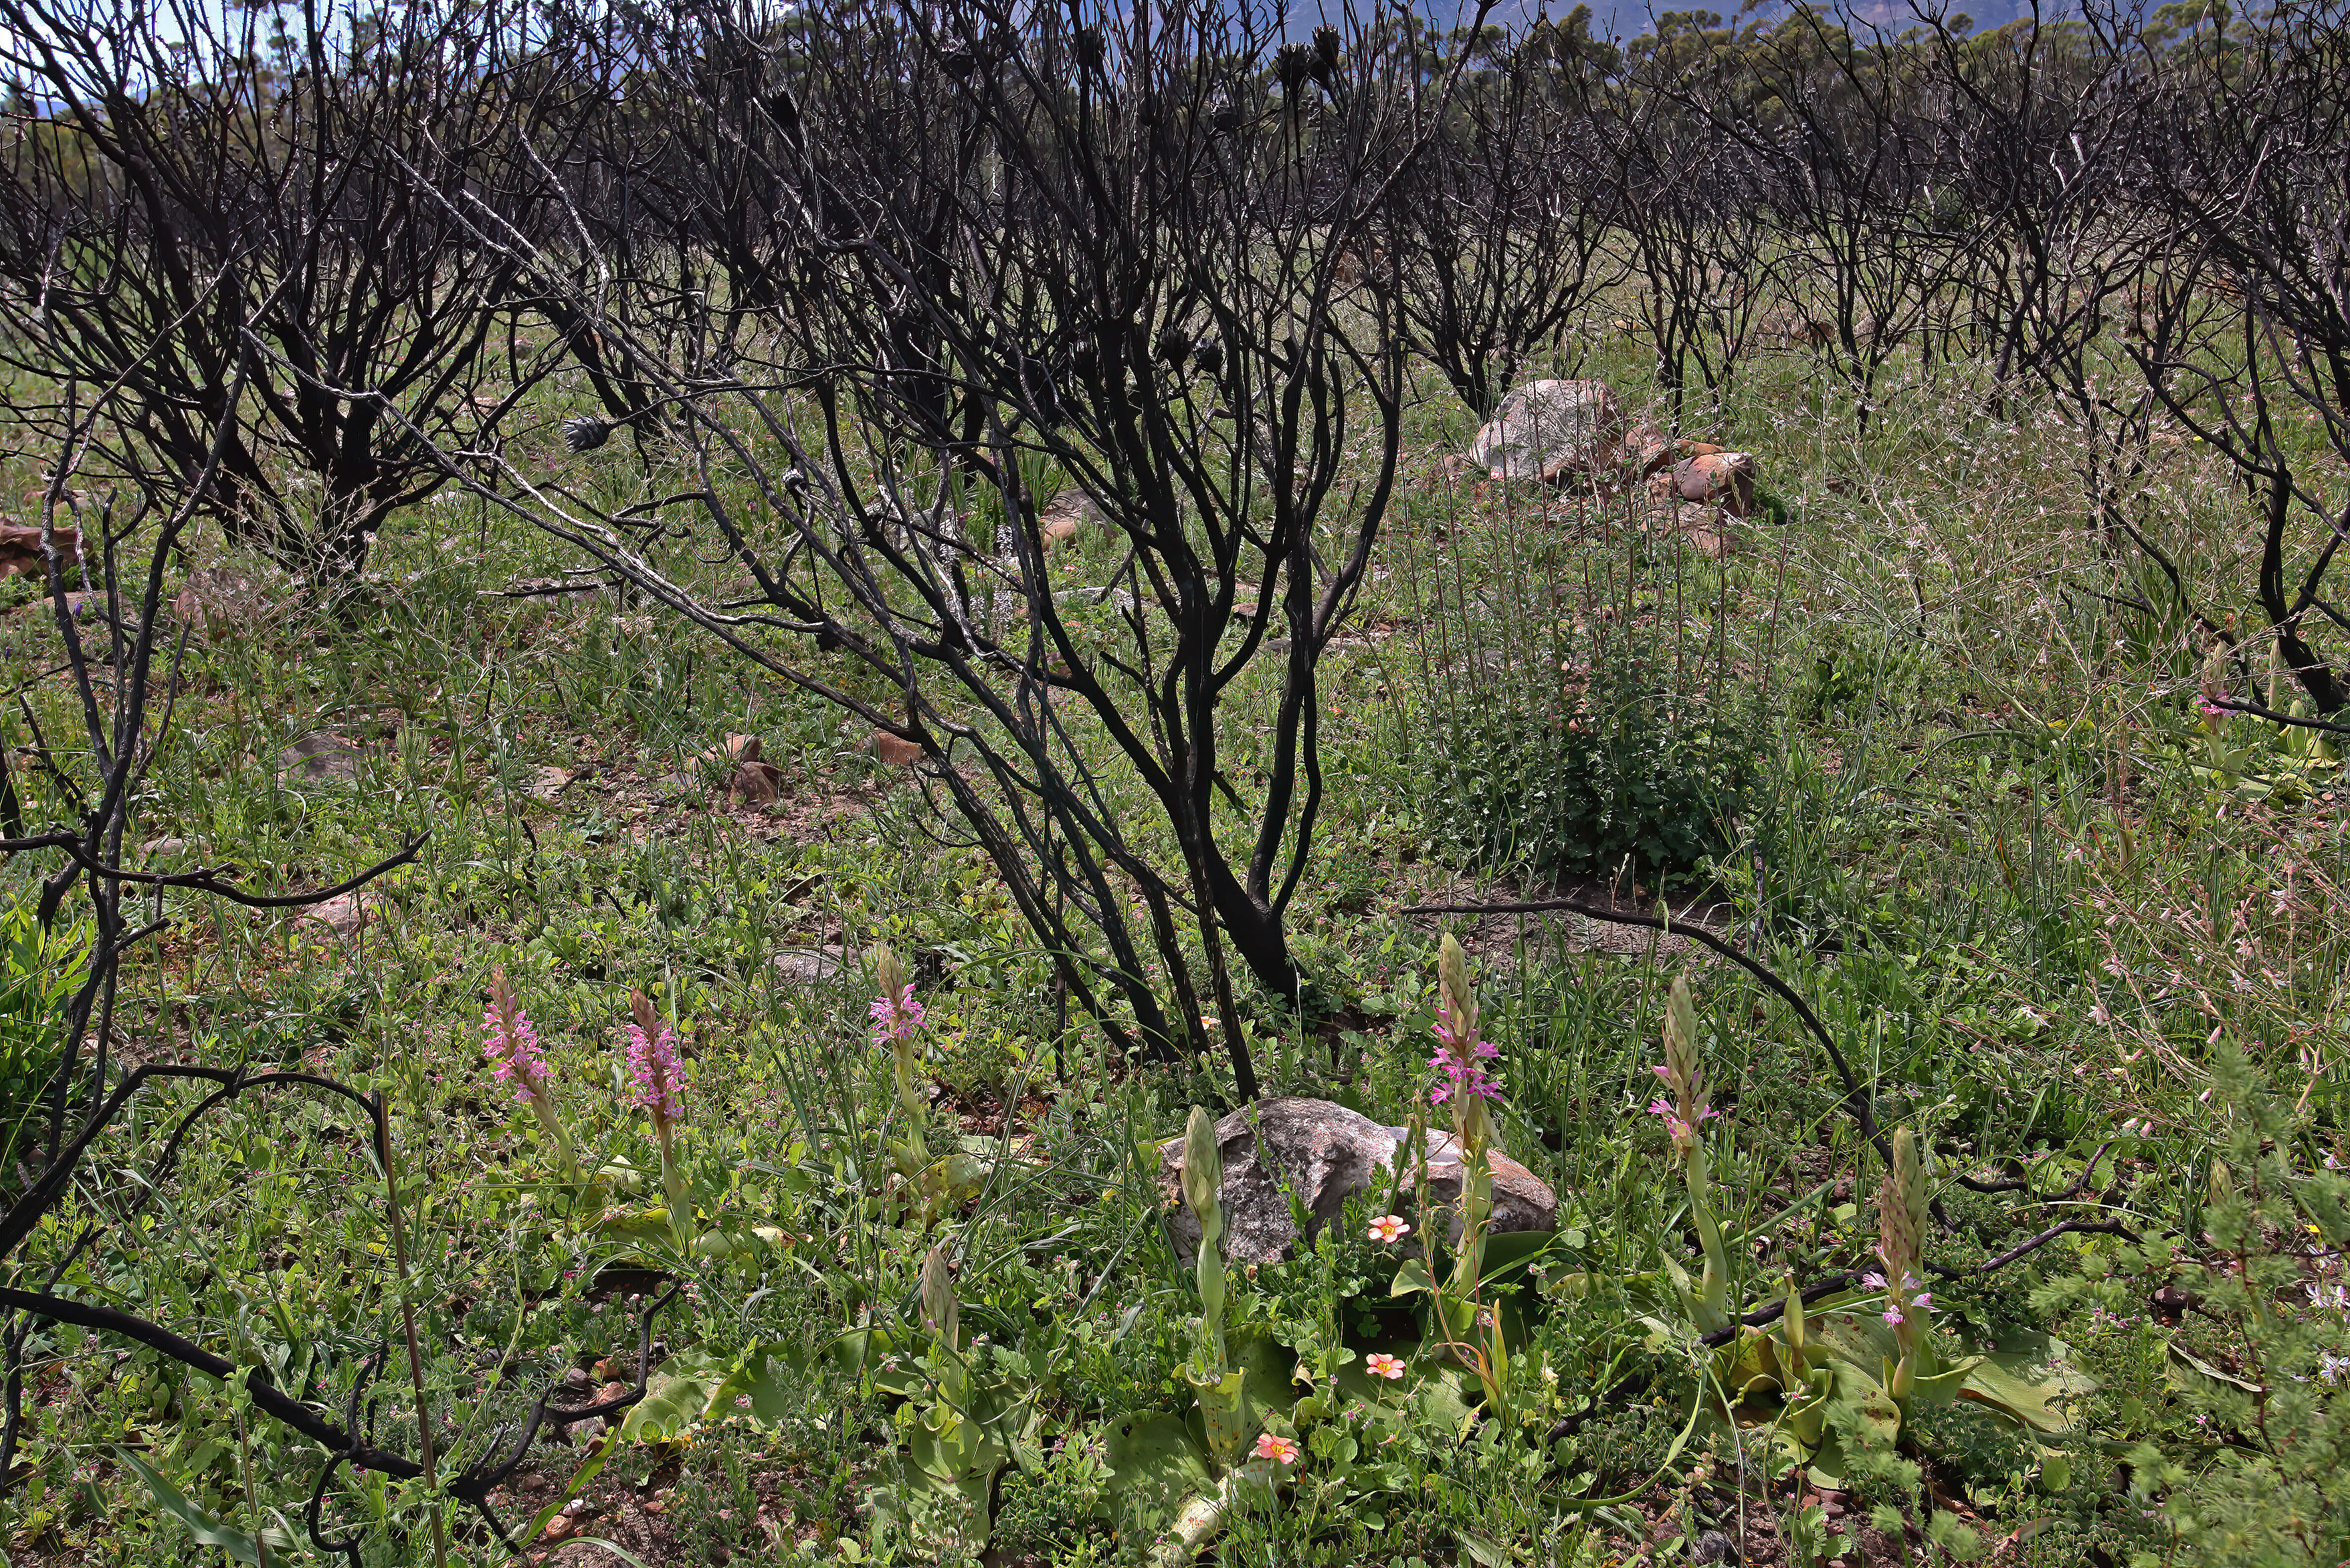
(1452, 974)
(1792, 1334)
(941, 1313)
(1203, 1187)
(892, 977)
(1217, 1385)
(1901, 1211)
(1685, 1114)
(1470, 1116)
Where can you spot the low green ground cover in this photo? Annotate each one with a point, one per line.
(901, 1291)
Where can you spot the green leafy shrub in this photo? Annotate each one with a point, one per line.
(39, 971)
(1578, 784)
(2256, 1470)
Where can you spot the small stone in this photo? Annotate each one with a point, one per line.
(734, 749)
(1713, 1546)
(1644, 449)
(21, 554)
(756, 783)
(321, 756)
(1060, 521)
(547, 782)
(343, 914)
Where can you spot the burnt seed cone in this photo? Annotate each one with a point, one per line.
(1291, 66)
(785, 113)
(586, 432)
(1325, 66)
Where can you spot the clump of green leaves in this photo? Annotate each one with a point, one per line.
(39, 971)
(2259, 1371)
(1625, 770)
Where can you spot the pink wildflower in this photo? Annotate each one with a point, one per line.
(1679, 1130)
(1383, 1365)
(1461, 1056)
(895, 1019)
(1902, 1300)
(1269, 1446)
(510, 1044)
(654, 1067)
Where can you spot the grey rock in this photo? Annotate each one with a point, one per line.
(1326, 1153)
(1713, 1546)
(343, 914)
(321, 756)
(1550, 430)
(807, 967)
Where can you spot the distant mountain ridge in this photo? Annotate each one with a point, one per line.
(1627, 19)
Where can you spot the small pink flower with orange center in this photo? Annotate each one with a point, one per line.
(1269, 1446)
(1389, 1229)
(1380, 1365)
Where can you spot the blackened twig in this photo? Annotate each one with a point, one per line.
(266, 1396)
(1857, 1100)
(474, 1485)
(2255, 710)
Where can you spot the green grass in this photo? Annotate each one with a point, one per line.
(1977, 827)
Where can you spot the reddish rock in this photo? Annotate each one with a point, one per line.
(897, 754)
(20, 550)
(1724, 479)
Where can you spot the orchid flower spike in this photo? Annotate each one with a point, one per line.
(510, 1044)
(653, 1065)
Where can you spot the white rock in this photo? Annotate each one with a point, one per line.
(1550, 430)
